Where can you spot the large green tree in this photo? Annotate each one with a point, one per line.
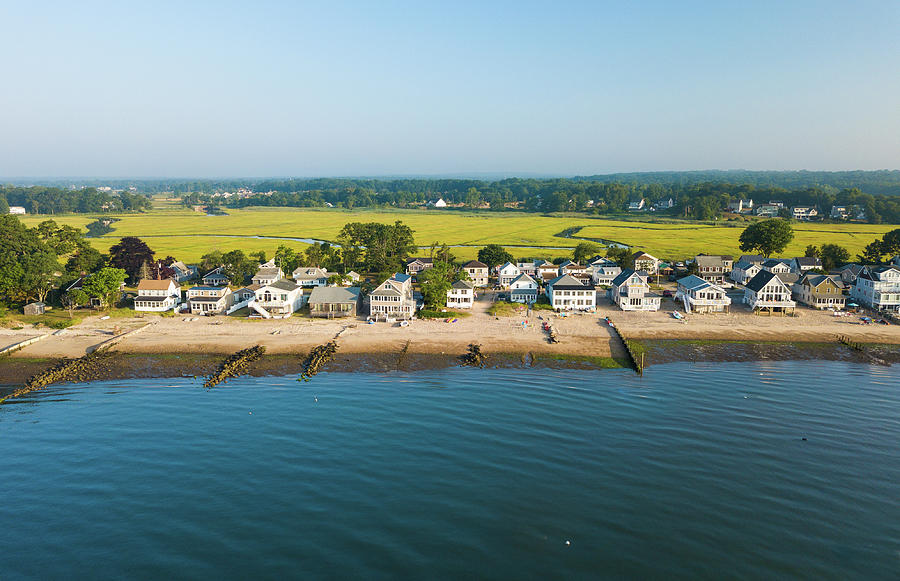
(105, 284)
(383, 247)
(28, 266)
(584, 251)
(494, 255)
(767, 237)
(833, 256)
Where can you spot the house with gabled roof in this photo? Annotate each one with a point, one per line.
(209, 300)
(820, 291)
(571, 267)
(157, 295)
(267, 274)
(334, 301)
(523, 289)
(416, 265)
(714, 267)
(461, 295)
(477, 271)
(643, 262)
(802, 264)
(567, 293)
(701, 296)
(777, 265)
(878, 287)
(767, 292)
(393, 299)
(743, 271)
(604, 274)
(310, 276)
(183, 272)
(507, 273)
(630, 291)
(849, 272)
(278, 300)
(215, 277)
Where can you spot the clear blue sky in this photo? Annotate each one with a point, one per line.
(374, 88)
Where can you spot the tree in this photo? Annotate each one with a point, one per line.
(812, 251)
(767, 237)
(259, 256)
(210, 261)
(105, 284)
(890, 242)
(619, 254)
(435, 282)
(28, 265)
(833, 256)
(130, 254)
(73, 299)
(315, 254)
(872, 253)
(287, 259)
(86, 259)
(494, 255)
(383, 247)
(238, 267)
(584, 251)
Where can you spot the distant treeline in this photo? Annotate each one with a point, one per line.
(53, 200)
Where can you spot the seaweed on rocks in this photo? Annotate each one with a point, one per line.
(86, 368)
(316, 359)
(474, 356)
(236, 364)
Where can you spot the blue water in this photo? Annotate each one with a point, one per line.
(691, 472)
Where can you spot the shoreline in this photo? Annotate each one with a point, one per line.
(15, 370)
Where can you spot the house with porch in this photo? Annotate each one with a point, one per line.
(603, 275)
(183, 272)
(630, 291)
(643, 262)
(267, 274)
(878, 287)
(209, 300)
(333, 302)
(461, 295)
(523, 289)
(714, 268)
(804, 212)
(529, 268)
(820, 291)
(507, 273)
(157, 295)
(701, 296)
(567, 293)
(743, 271)
(416, 265)
(215, 277)
(278, 300)
(310, 276)
(393, 299)
(477, 271)
(777, 266)
(767, 292)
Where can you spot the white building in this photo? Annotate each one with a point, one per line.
(766, 291)
(605, 274)
(804, 212)
(524, 289)
(393, 299)
(507, 273)
(16, 210)
(209, 300)
(567, 293)
(461, 295)
(278, 300)
(630, 291)
(157, 295)
(701, 296)
(777, 266)
(310, 276)
(267, 275)
(878, 288)
(744, 270)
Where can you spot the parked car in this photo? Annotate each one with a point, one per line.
(668, 293)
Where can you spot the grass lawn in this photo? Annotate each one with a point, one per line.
(187, 235)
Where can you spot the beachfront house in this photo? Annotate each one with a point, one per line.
(157, 295)
(524, 289)
(209, 300)
(714, 267)
(820, 291)
(802, 264)
(461, 295)
(334, 301)
(603, 275)
(278, 299)
(215, 277)
(567, 293)
(547, 271)
(416, 265)
(267, 274)
(310, 276)
(183, 272)
(767, 292)
(643, 262)
(507, 273)
(477, 271)
(393, 299)
(701, 296)
(878, 287)
(743, 271)
(777, 266)
(630, 291)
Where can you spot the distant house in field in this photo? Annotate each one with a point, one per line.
(767, 292)
(393, 298)
(804, 212)
(636, 206)
(567, 293)
(523, 289)
(440, 203)
(801, 264)
(215, 277)
(713, 267)
(36, 308)
(768, 210)
(643, 262)
(416, 265)
(157, 295)
(477, 271)
(310, 276)
(183, 272)
(278, 300)
(334, 301)
(507, 273)
(740, 206)
(630, 291)
(267, 275)
(16, 210)
(701, 296)
(461, 295)
(208, 300)
(820, 291)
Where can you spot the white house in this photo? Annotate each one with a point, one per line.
(701, 296)
(766, 291)
(631, 292)
(416, 265)
(743, 271)
(523, 289)
(157, 295)
(393, 298)
(507, 273)
(215, 277)
(16, 210)
(182, 271)
(461, 295)
(567, 293)
(310, 276)
(878, 287)
(209, 300)
(636, 206)
(801, 264)
(714, 267)
(777, 266)
(278, 299)
(440, 203)
(605, 274)
(641, 261)
(267, 275)
(529, 268)
(478, 272)
(804, 212)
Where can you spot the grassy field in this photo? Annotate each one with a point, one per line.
(187, 235)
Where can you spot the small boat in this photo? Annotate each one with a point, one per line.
(677, 315)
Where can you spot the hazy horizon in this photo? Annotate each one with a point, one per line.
(226, 91)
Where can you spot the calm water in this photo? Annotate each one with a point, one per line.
(692, 472)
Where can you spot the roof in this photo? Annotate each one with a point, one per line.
(267, 271)
(475, 264)
(808, 261)
(283, 284)
(422, 260)
(693, 282)
(251, 288)
(564, 281)
(400, 277)
(711, 259)
(216, 270)
(642, 255)
(752, 258)
(207, 299)
(147, 299)
(149, 284)
(208, 288)
(463, 284)
(334, 294)
(507, 263)
(817, 279)
(775, 262)
(746, 264)
(761, 279)
(626, 274)
(788, 278)
(523, 291)
(309, 272)
(523, 277)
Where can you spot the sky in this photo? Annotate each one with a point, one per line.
(253, 89)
